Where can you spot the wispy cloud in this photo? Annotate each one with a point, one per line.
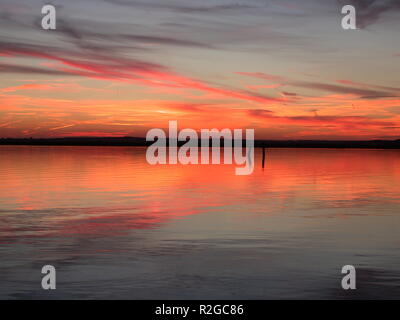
(13, 68)
(183, 7)
(320, 120)
(364, 91)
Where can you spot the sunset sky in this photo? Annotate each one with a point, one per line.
(120, 67)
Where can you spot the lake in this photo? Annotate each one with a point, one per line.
(114, 226)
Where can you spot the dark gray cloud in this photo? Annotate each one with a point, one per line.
(192, 31)
(13, 68)
(183, 8)
(90, 31)
(364, 93)
(76, 62)
(98, 35)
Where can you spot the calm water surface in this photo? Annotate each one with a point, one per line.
(116, 227)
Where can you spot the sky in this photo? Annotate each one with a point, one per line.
(285, 68)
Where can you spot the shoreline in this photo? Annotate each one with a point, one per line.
(141, 142)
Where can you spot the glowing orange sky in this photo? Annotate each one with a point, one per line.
(125, 73)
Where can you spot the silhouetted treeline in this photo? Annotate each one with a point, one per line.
(132, 141)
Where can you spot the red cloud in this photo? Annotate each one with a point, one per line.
(123, 69)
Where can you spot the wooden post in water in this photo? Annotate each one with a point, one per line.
(263, 157)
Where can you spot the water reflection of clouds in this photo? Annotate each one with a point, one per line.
(113, 223)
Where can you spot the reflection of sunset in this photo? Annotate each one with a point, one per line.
(102, 190)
